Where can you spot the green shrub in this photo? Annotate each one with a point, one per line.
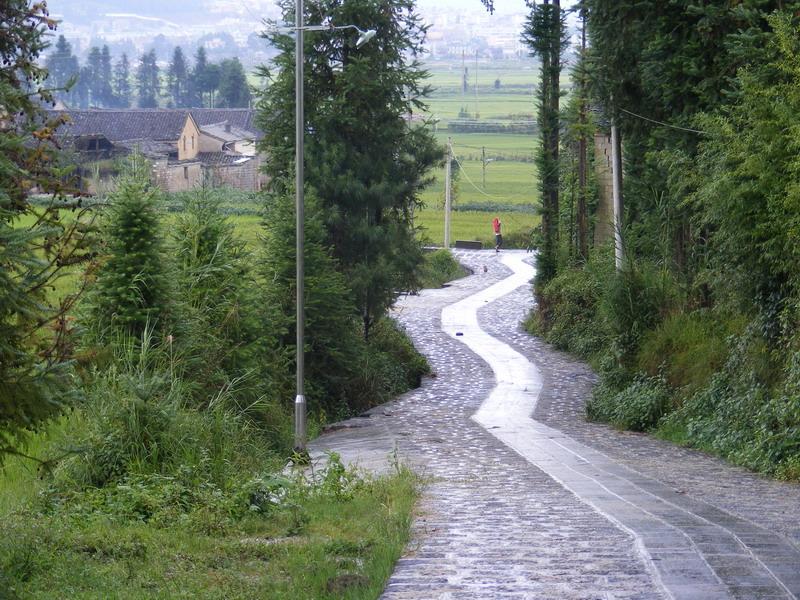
(688, 348)
(519, 238)
(747, 414)
(186, 497)
(568, 309)
(439, 268)
(635, 301)
(136, 422)
(389, 365)
(216, 283)
(638, 406)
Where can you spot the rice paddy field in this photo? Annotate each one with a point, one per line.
(496, 174)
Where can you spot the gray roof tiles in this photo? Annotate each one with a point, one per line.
(227, 132)
(223, 159)
(157, 124)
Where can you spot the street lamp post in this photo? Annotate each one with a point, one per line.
(300, 405)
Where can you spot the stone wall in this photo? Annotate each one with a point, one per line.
(246, 176)
(177, 177)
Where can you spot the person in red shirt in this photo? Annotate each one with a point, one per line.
(498, 236)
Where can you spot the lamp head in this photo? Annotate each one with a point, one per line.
(365, 37)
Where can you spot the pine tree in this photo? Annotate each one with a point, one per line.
(122, 83)
(92, 77)
(218, 286)
(331, 341)
(82, 91)
(178, 79)
(130, 293)
(64, 69)
(234, 92)
(148, 84)
(198, 73)
(205, 79)
(106, 78)
(33, 344)
(365, 161)
(545, 35)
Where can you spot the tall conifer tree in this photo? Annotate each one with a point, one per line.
(92, 77)
(32, 348)
(106, 77)
(122, 83)
(205, 79)
(234, 92)
(63, 69)
(366, 162)
(545, 35)
(131, 290)
(178, 79)
(148, 83)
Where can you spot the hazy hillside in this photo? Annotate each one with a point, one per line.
(193, 11)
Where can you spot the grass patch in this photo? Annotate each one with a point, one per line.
(439, 268)
(21, 478)
(474, 225)
(672, 430)
(335, 538)
(688, 348)
(638, 406)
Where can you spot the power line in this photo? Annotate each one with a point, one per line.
(462, 170)
(633, 114)
(495, 150)
(509, 216)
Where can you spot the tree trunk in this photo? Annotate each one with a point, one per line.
(555, 96)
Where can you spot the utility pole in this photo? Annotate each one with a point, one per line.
(447, 192)
(583, 226)
(483, 161)
(477, 109)
(616, 180)
(464, 82)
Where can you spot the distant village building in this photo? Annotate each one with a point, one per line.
(187, 147)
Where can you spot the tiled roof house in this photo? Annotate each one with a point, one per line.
(186, 146)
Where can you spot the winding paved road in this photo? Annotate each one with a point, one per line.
(528, 500)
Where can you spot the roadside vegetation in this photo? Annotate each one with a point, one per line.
(147, 364)
(439, 268)
(171, 453)
(695, 338)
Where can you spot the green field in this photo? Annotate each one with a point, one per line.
(446, 74)
(506, 183)
(514, 98)
(476, 226)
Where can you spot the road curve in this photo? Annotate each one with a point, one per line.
(537, 513)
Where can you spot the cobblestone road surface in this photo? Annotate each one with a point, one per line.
(492, 524)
